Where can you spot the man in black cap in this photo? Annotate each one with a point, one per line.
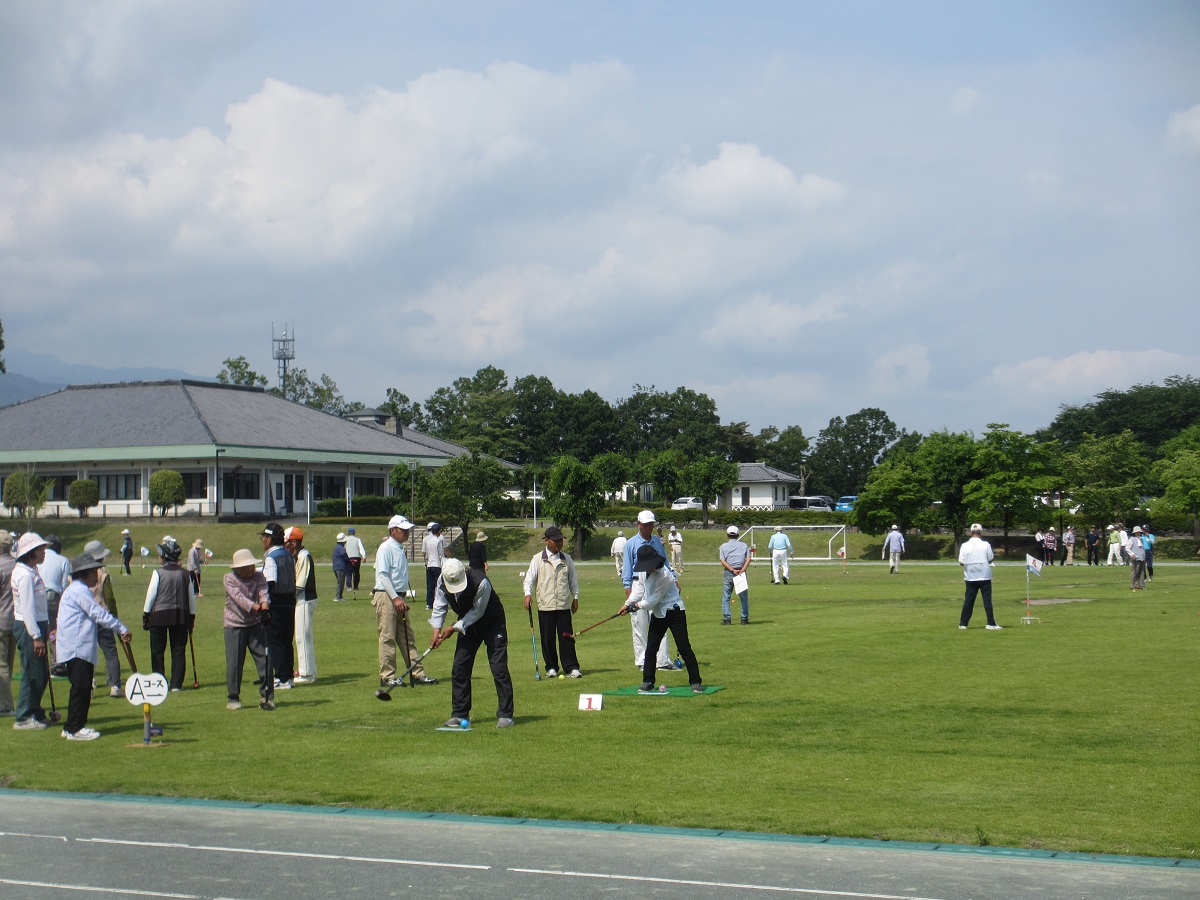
(280, 571)
(552, 574)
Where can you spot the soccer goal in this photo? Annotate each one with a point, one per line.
(815, 543)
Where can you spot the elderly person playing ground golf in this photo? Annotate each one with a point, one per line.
(169, 613)
(640, 620)
(391, 608)
(103, 593)
(79, 619)
(975, 556)
(247, 602)
(480, 622)
(551, 575)
(31, 628)
(656, 592)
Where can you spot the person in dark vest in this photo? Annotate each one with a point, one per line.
(480, 621)
(169, 613)
(280, 571)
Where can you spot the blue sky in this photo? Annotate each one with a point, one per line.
(960, 213)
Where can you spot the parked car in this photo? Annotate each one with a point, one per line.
(845, 504)
(687, 503)
(813, 504)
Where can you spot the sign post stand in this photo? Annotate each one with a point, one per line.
(147, 691)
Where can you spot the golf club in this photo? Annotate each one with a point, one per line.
(537, 675)
(195, 680)
(386, 693)
(55, 716)
(129, 656)
(590, 627)
(412, 679)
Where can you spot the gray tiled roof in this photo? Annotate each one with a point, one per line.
(178, 413)
(758, 471)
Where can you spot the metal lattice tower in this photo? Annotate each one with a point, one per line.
(284, 350)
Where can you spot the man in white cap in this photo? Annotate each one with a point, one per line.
(391, 609)
(480, 622)
(975, 556)
(780, 546)
(640, 620)
(617, 551)
(433, 548)
(8, 643)
(341, 566)
(126, 549)
(357, 554)
(675, 545)
(735, 558)
(893, 547)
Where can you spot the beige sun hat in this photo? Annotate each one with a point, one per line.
(242, 558)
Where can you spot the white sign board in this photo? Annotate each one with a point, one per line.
(152, 689)
(591, 702)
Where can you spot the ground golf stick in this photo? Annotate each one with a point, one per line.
(590, 627)
(195, 680)
(537, 675)
(129, 656)
(54, 714)
(412, 679)
(386, 693)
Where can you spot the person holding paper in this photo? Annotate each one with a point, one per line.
(735, 557)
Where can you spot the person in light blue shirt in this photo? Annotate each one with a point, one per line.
(780, 546)
(391, 608)
(893, 547)
(975, 556)
(1148, 540)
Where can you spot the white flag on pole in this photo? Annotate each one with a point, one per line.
(1033, 564)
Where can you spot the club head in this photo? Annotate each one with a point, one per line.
(55, 716)
(537, 676)
(156, 731)
(381, 694)
(195, 684)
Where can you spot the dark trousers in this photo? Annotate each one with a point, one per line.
(1150, 563)
(556, 628)
(342, 577)
(280, 633)
(238, 642)
(355, 572)
(34, 673)
(1093, 555)
(431, 579)
(112, 662)
(676, 621)
(493, 634)
(178, 635)
(80, 673)
(973, 588)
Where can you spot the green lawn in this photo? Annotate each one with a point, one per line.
(853, 706)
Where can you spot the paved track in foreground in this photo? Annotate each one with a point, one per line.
(58, 846)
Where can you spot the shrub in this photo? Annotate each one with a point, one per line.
(166, 489)
(82, 495)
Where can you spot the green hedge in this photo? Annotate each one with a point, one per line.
(364, 505)
(622, 517)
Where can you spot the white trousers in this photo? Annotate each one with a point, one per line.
(894, 560)
(306, 655)
(1114, 554)
(640, 619)
(779, 560)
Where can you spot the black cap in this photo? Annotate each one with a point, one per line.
(648, 559)
(553, 533)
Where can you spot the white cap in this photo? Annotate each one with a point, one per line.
(454, 575)
(732, 529)
(341, 538)
(399, 522)
(977, 527)
(646, 516)
(124, 531)
(620, 534)
(672, 527)
(895, 528)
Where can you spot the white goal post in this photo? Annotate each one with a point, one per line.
(813, 543)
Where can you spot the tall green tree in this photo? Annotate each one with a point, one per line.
(787, 450)
(587, 425)
(665, 471)
(477, 412)
(407, 412)
(1014, 471)
(236, 370)
(535, 423)
(707, 478)
(574, 497)
(895, 494)
(654, 420)
(1179, 475)
(738, 444)
(166, 490)
(1106, 475)
(1154, 413)
(458, 491)
(614, 471)
(27, 493)
(847, 450)
(945, 461)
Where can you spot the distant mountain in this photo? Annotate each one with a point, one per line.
(33, 374)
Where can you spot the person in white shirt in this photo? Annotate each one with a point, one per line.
(780, 546)
(675, 545)
(357, 554)
(655, 591)
(893, 547)
(31, 628)
(617, 550)
(434, 550)
(975, 556)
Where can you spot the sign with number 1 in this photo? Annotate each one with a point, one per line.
(591, 702)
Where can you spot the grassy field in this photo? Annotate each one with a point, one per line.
(852, 706)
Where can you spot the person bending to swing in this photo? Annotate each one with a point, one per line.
(654, 590)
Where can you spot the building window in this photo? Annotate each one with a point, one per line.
(241, 486)
(195, 485)
(745, 496)
(328, 487)
(120, 487)
(60, 486)
(364, 485)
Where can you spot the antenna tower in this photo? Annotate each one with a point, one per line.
(284, 350)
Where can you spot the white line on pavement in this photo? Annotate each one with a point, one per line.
(93, 889)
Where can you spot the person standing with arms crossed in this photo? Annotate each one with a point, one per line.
(391, 609)
(434, 550)
(552, 574)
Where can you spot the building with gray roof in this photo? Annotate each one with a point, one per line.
(269, 456)
(759, 486)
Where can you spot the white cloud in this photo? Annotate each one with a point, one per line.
(901, 369)
(742, 184)
(1089, 373)
(1183, 129)
(964, 100)
(762, 320)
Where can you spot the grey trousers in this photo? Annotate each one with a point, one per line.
(112, 662)
(8, 650)
(237, 642)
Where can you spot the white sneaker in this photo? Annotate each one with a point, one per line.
(995, 628)
(282, 685)
(234, 704)
(574, 673)
(304, 679)
(29, 725)
(83, 734)
(962, 627)
(552, 673)
(115, 691)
